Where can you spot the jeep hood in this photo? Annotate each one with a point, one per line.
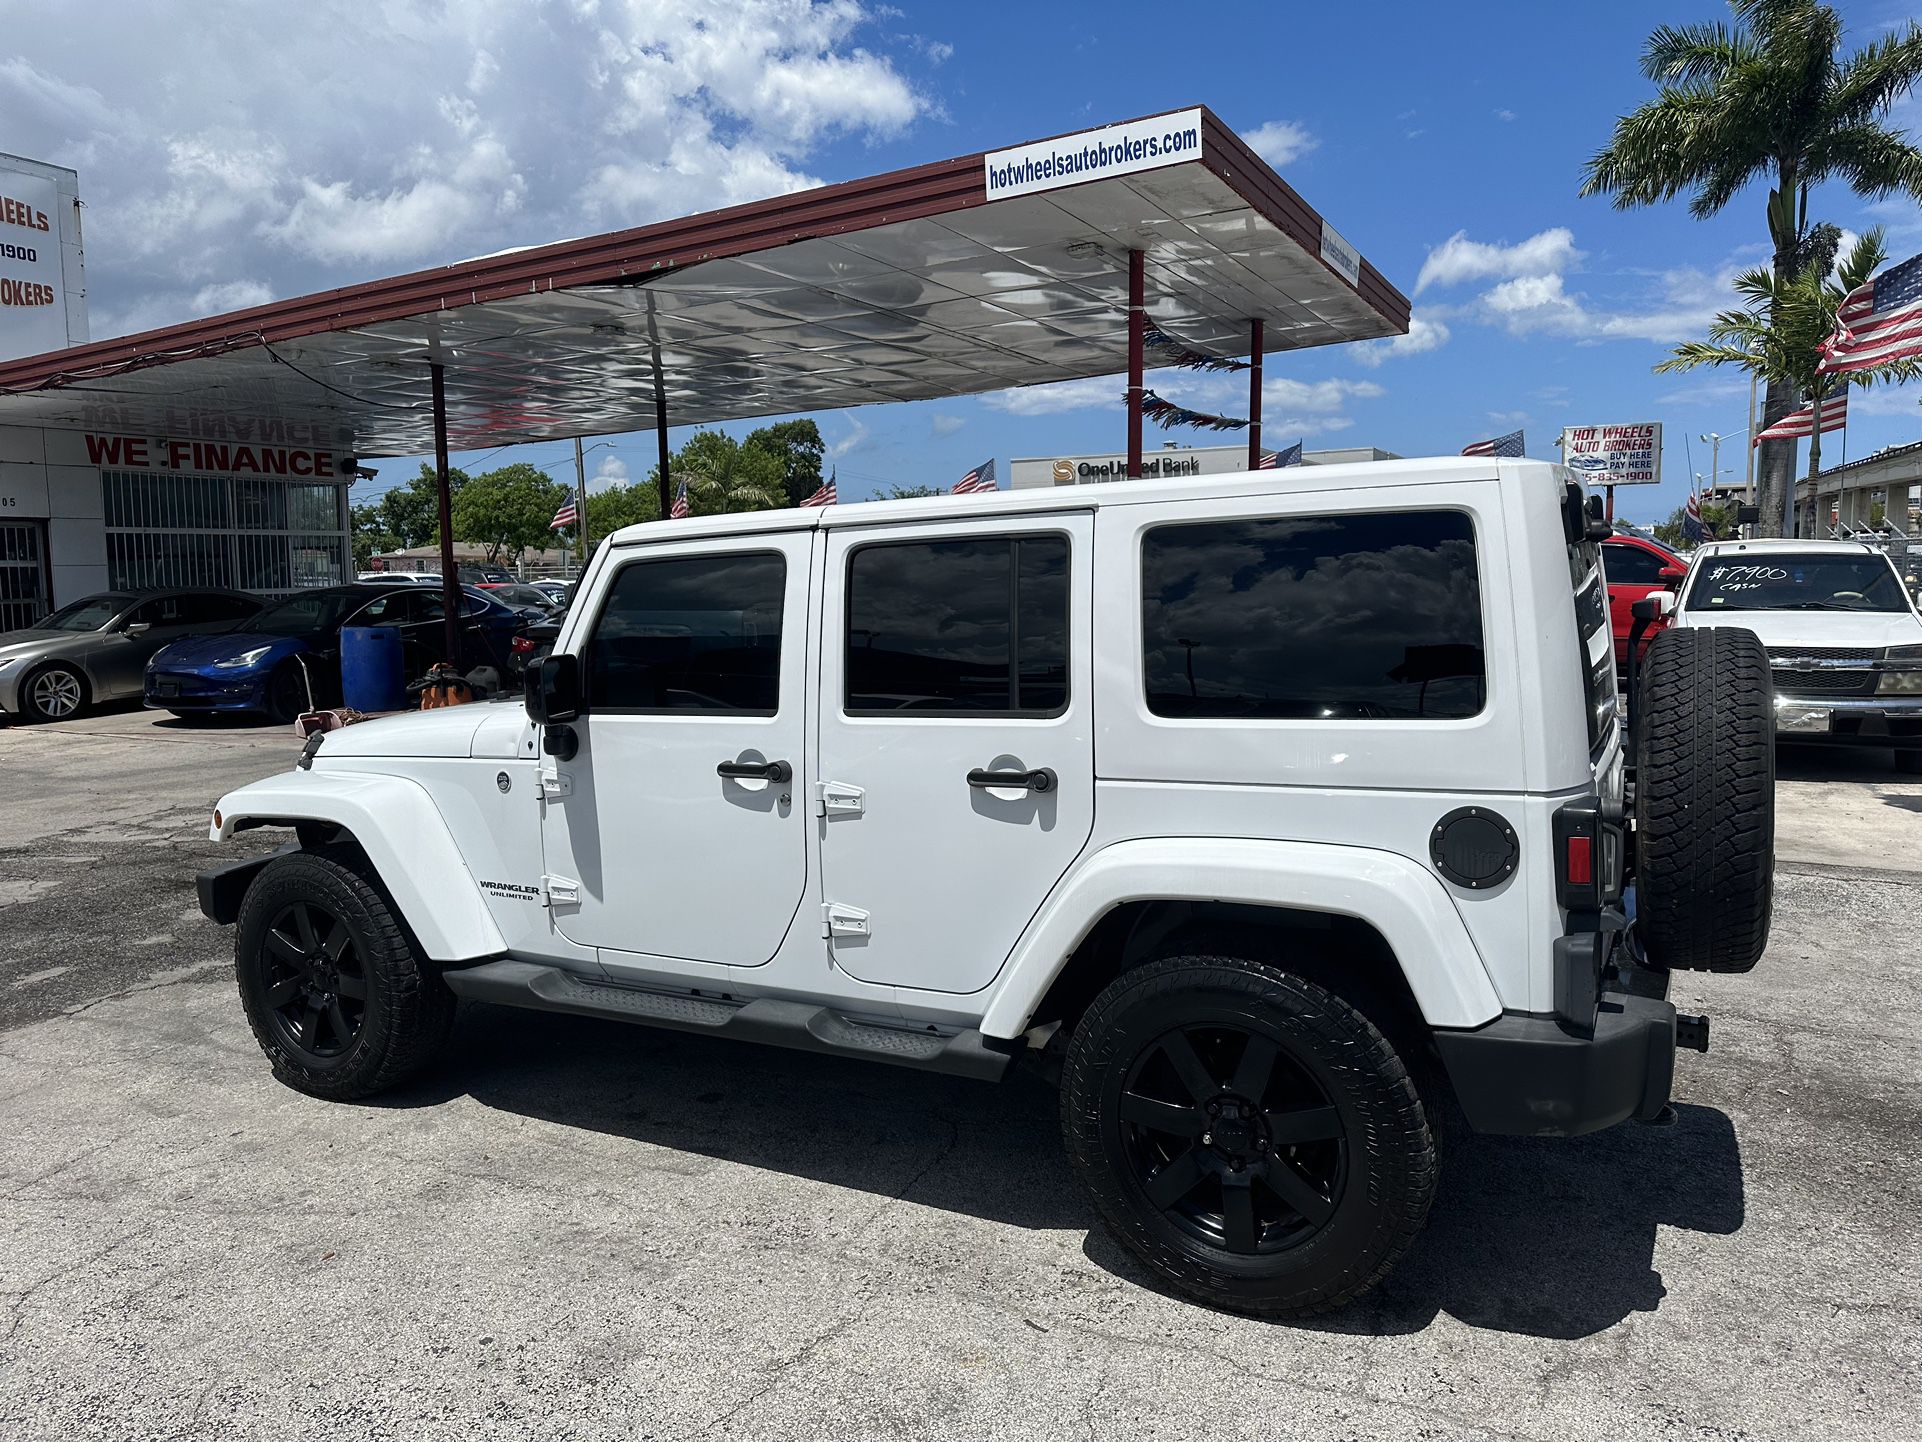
(492, 729)
(1818, 628)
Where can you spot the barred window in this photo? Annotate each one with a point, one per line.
(251, 534)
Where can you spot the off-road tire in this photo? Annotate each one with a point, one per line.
(31, 708)
(1705, 799)
(1389, 1166)
(408, 1012)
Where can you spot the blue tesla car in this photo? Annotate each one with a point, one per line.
(269, 665)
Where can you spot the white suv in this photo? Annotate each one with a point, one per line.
(1843, 637)
(1279, 810)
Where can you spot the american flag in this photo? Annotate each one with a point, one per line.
(1509, 445)
(1279, 460)
(1796, 424)
(566, 516)
(1692, 528)
(823, 497)
(1880, 321)
(679, 509)
(981, 478)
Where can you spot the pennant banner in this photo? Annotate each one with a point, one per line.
(1166, 413)
(1173, 352)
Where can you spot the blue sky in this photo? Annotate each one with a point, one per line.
(1445, 142)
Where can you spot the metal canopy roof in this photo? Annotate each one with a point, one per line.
(906, 286)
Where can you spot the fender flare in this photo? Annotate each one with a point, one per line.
(405, 837)
(1398, 897)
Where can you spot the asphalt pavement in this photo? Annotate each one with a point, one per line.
(582, 1230)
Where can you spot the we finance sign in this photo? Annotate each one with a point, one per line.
(1095, 154)
(1629, 455)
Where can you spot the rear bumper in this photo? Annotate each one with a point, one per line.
(1527, 1075)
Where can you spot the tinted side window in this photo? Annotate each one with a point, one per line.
(1375, 616)
(231, 608)
(696, 634)
(976, 626)
(1630, 565)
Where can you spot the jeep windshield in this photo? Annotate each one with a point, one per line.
(1796, 581)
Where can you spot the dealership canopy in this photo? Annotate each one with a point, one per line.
(975, 274)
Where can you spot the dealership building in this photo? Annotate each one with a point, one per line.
(220, 451)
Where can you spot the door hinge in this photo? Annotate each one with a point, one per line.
(840, 919)
(837, 798)
(562, 890)
(556, 784)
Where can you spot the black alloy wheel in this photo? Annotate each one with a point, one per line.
(1237, 1145)
(315, 983)
(1250, 1135)
(336, 989)
(286, 692)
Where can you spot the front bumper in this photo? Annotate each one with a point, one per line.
(190, 691)
(1864, 720)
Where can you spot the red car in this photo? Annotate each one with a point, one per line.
(1634, 566)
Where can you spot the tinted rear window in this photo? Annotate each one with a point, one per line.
(1374, 616)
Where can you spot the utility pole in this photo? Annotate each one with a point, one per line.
(1748, 481)
(580, 500)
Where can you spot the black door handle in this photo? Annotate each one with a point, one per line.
(1040, 779)
(755, 770)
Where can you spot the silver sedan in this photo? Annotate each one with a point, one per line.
(96, 649)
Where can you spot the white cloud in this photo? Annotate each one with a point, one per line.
(945, 425)
(1425, 333)
(1459, 259)
(1094, 393)
(1504, 115)
(1303, 405)
(1280, 141)
(854, 440)
(609, 471)
(425, 131)
(1886, 401)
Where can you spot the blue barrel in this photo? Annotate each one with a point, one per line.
(372, 677)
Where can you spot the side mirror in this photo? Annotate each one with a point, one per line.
(1655, 606)
(1671, 574)
(1598, 527)
(554, 690)
(136, 628)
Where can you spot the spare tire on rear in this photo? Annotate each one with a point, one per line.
(1705, 799)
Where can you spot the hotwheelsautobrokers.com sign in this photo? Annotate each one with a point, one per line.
(1628, 455)
(1095, 154)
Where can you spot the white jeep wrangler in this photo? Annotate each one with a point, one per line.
(1283, 810)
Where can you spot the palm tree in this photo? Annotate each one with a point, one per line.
(1769, 98)
(1778, 336)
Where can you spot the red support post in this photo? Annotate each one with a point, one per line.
(1137, 343)
(1254, 395)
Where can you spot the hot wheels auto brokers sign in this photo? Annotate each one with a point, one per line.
(1095, 154)
(1628, 455)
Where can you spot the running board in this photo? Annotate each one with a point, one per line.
(797, 1025)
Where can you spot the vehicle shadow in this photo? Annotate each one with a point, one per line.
(1837, 763)
(1551, 1238)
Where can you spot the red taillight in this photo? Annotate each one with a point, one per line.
(1578, 865)
(521, 645)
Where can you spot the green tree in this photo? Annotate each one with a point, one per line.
(402, 516)
(797, 445)
(1778, 336)
(723, 475)
(619, 506)
(1718, 524)
(1772, 98)
(508, 511)
(910, 493)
